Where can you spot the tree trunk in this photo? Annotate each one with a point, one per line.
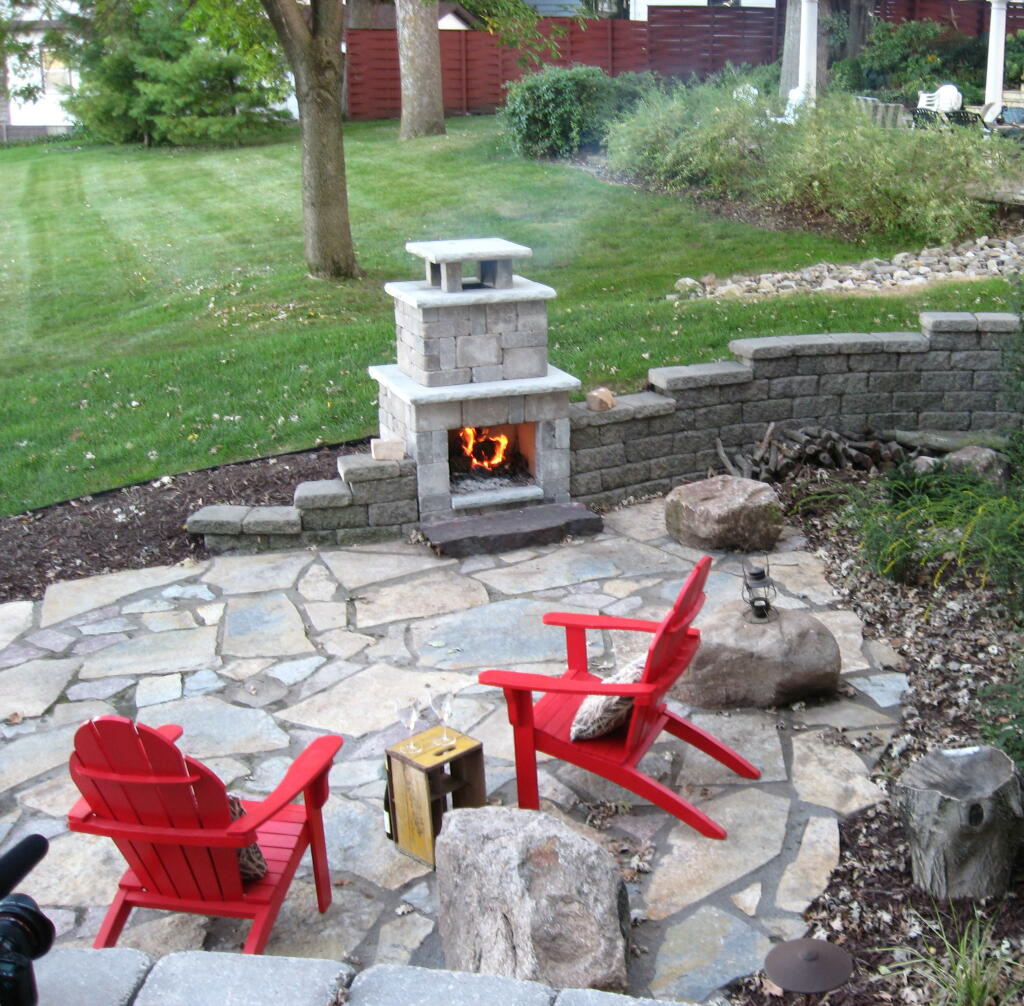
(825, 9)
(328, 236)
(962, 812)
(790, 49)
(860, 25)
(311, 38)
(419, 57)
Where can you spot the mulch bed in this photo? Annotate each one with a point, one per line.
(954, 640)
(143, 525)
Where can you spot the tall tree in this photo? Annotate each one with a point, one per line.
(419, 58)
(19, 52)
(310, 36)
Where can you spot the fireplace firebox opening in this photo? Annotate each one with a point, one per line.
(491, 457)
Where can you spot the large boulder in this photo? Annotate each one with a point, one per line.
(743, 663)
(523, 895)
(724, 512)
(983, 461)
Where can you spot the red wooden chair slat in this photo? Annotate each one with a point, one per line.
(176, 833)
(545, 725)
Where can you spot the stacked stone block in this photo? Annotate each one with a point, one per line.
(947, 377)
(369, 501)
(439, 346)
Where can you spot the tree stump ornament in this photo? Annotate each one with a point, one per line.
(962, 812)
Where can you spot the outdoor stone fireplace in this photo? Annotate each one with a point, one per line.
(472, 396)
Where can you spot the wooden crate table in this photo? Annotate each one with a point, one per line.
(420, 784)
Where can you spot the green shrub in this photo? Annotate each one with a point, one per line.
(919, 56)
(557, 111)
(916, 185)
(918, 527)
(1002, 712)
(145, 77)
(964, 965)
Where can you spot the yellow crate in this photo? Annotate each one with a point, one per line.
(420, 785)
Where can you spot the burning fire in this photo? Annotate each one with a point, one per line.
(483, 449)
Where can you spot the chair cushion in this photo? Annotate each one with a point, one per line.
(251, 864)
(601, 714)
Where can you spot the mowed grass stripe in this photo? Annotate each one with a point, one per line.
(223, 348)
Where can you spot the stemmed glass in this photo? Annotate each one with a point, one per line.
(441, 703)
(408, 714)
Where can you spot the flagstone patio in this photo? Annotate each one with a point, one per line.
(254, 656)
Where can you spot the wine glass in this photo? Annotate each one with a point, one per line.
(441, 703)
(408, 714)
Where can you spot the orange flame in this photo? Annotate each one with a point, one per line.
(483, 449)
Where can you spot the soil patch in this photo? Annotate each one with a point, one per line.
(143, 525)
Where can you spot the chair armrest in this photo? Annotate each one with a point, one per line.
(565, 685)
(313, 762)
(171, 731)
(574, 620)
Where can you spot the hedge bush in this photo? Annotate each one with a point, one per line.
(557, 111)
(917, 185)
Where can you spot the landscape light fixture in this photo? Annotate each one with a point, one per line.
(758, 592)
(808, 966)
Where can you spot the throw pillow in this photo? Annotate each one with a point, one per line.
(601, 714)
(251, 864)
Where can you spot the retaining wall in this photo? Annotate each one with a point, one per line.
(949, 376)
(124, 977)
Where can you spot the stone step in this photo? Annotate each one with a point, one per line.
(505, 530)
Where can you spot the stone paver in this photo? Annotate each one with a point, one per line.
(255, 656)
(69, 598)
(197, 978)
(15, 619)
(704, 947)
(158, 653)
(808, 874)
(423, 596)
(267, 625)
(693, 866)
(30, 689)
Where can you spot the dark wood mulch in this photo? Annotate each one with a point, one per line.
(143, 525)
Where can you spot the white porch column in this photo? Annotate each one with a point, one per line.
(807, 73)
(996, 52)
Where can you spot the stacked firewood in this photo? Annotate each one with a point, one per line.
(784, 455)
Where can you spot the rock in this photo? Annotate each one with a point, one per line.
(600, 400)
(739, 663)
(689, 287)
(924, 464)
(523, 895)
(386, 450)
(983, 461)
(724, 512)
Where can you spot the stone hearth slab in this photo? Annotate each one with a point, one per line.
(510, 529)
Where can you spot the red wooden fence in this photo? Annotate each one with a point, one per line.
(969, 16)
(675, 41)
(475, 67)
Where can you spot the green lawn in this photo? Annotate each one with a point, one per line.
(155, 313)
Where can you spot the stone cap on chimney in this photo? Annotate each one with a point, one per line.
(444, 261)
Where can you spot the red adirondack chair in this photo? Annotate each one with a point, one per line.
(169, 817)
(544, 726)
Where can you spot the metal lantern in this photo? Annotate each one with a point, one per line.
(758, 592)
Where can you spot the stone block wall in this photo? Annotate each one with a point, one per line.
(369, 501)
(946, 377)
